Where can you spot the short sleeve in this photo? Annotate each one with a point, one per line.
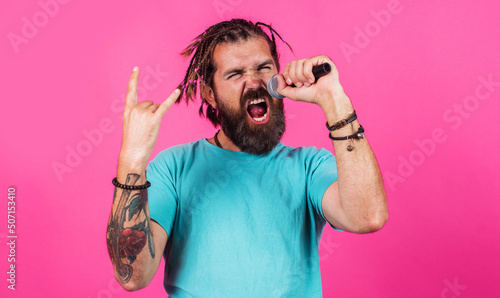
(162, 196)
(322, 173)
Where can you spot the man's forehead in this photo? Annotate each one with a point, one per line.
(242, 53)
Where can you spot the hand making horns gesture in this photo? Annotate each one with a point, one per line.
(141, 122)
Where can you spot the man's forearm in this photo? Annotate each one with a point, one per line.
(129, 236)
(361, 189)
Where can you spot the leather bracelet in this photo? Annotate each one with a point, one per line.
(357, 135)
(130, 187)
(342, 123)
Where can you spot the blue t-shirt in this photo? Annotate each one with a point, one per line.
(241, 225)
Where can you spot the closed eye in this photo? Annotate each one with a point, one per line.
(264, 67)
(233, 75)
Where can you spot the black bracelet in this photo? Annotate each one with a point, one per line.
(358, 135)
(342, 123)
(130, 187)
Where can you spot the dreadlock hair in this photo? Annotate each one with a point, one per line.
(201, 69)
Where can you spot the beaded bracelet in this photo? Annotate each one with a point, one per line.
(342, 123)
(130, 187)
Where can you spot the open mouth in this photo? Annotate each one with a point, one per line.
(258, 110)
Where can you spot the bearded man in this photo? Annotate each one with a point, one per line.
(240, 214)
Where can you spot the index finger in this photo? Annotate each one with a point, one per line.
(131, 97)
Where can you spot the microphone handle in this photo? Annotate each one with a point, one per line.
(319, 71)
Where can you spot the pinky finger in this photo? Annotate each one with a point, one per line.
(165, 106)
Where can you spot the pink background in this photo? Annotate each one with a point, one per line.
(408, 77)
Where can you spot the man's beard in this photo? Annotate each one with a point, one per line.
(250, 137)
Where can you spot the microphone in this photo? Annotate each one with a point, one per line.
(318, 71)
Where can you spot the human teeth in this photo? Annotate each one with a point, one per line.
(261, 118)
(256, 101)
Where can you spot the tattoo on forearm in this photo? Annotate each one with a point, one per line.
(126, 236)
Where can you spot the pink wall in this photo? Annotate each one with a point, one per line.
(417, 73)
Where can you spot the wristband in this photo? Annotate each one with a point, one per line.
(342, 123)
(130, 187)
(358, 135)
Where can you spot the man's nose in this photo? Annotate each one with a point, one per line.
(254, 81)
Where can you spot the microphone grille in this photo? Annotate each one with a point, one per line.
(272, 86)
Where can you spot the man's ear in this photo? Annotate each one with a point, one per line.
(208, 94)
